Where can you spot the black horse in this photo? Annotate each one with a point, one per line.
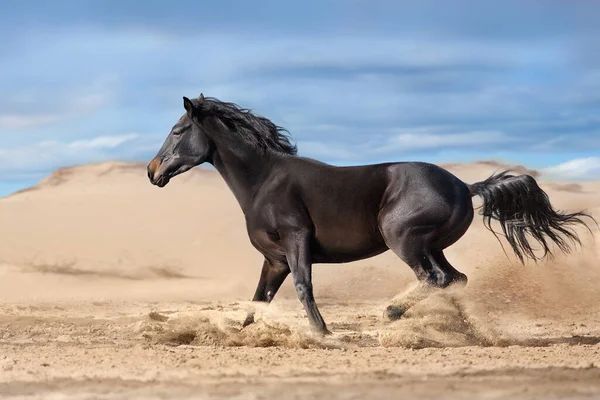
(300, 211)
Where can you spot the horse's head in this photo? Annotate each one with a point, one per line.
(186, 146)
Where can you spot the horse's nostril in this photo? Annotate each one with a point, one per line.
(153, 169)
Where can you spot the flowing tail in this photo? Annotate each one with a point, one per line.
(523, 209)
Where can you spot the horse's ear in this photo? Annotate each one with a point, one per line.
(201, 97)
(189, 107)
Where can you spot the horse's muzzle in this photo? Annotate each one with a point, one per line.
(161, 181)
(156, 174)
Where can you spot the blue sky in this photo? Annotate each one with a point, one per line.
(354, 81)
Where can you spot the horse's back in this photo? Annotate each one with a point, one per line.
(425, 178)
(368, 187)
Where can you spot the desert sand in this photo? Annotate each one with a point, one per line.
(112, 288)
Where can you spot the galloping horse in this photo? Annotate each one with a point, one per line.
(300, 211)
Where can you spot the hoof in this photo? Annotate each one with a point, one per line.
(394, 312)
(323, 331)
(249, 320)
(460, 281)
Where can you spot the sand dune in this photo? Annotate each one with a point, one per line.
(91, 250)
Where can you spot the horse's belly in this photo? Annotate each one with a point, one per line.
(336, 246)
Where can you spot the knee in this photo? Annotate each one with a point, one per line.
(302, 291)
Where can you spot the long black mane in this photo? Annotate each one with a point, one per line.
(255, 129)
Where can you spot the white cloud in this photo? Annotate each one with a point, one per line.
(69, 103)
(578, 169)
(16, 121)
(588, 140)
(103, 142)
(43, 157)
(429, 141)
(419, 140)
(234, 54)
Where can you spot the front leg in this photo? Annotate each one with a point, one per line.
(297, 252)
(271, 278)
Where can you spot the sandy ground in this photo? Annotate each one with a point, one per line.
(111, 288)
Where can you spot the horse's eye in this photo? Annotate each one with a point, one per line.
(177, 132)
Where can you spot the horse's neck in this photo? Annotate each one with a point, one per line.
(243, 169)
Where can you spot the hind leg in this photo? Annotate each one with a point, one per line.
(411, 244)
(440, 276)
(433, 271)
